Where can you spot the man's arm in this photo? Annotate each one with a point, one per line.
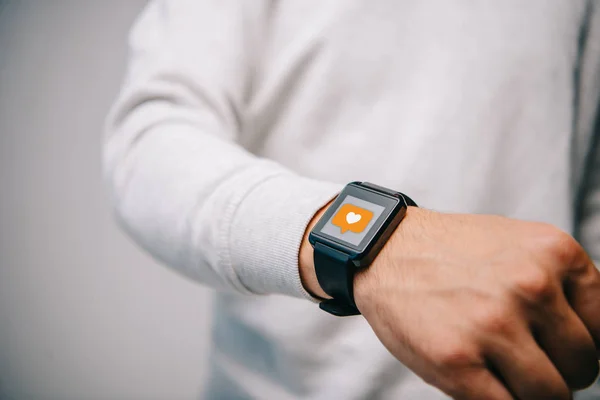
(195, 199)
(482, 307)
(180, 184)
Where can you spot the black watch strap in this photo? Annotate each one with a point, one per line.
(335, 272)
(335, 275)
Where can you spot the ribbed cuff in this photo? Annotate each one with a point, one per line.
(266, 230)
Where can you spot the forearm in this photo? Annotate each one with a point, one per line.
(212, 212)
(180, 183)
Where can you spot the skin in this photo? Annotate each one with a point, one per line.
(481, 306)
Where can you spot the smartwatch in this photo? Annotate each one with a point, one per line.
(349, 236)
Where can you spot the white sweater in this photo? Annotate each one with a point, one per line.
(239, 119)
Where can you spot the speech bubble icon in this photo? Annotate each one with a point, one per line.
(352, 218)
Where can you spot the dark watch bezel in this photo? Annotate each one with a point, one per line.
(365, 252)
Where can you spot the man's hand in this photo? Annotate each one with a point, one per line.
(483, 307)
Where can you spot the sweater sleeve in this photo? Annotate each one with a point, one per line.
(589, 225)
(180, 184)
(588, 203)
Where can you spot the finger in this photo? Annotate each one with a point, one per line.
(582, 289)
(569, 345)
(481, 384)
(596, 380)
(527, 370)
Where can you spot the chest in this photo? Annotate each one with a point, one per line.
(329, 67)
(461, 94)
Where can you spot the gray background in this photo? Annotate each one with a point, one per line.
(84, 314)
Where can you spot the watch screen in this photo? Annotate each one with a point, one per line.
(352, 220)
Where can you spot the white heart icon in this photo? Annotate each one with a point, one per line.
(352, 217)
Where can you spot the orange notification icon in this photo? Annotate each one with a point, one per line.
(352, 218)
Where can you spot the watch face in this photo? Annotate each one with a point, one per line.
(352, 220)
(355, 217)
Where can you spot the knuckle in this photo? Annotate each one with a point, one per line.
(458, 389)
(455, 364)
(536, 284)
(559, 244)
(467, 385)
(494, 321)
(455, 358)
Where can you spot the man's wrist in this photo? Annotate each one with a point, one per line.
(363, 281)
(366, 279)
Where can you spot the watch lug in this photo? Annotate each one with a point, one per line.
(379, 188)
